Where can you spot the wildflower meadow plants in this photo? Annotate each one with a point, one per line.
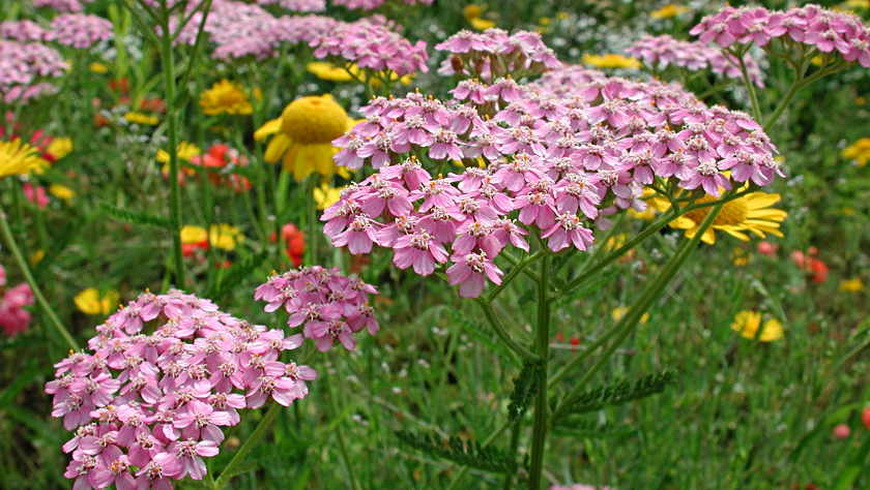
(407, 243)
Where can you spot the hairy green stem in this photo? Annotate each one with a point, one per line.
(542, 349)
(652, 291)
(167, 59)
(249, 444)
(28, 276)
(502, 333)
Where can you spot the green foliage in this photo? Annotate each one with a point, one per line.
(134, 217)
(467, 453)
(620, 392)
(525, 388)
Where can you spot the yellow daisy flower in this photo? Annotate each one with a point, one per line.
(186, 151)
(326, 195)
(668, 11)
(193, 234)
(225, 237)
(748, 214)
(302, 136)
(60, 147)
(859, 152)
(610, 61)
(331, 73)
(853, 285)
(98, 68)
(62, 192)
(225, 97)
(747, 323)
(17, 158)
(92, 301)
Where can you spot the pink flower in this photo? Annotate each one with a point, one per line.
(469, 272)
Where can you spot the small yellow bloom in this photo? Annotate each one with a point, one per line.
(193, 234)
(739, 257)
(92, 301)
(610, 61)
(37, 256)
(332, 73)
(472, 11)
(60, 147)
(225, 237)
(481, 24)
(98, 68)
(854, 285)
(326, 195)
(747, 323)
(858, 152)
(620, 312)
(615, 241)
(545, 21)
(140, 118)
(186, 151)
(563, 15)
(225, 97)
(62, 192)
(17, 158)
(668, 11)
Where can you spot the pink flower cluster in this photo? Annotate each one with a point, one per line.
(79, 31)
(550, 159)
(660, 52)
(373, 4)
(14, 318)
(373, 46)
(825, 30)
(147, 408)
(61, 5)
(22, 30)
(494, 53)
(22, 65)
(329, 306)
(297, 5)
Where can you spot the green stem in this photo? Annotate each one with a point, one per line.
(342, 446)
(542, 349)
(249, 444)
(175, 218)
(312, 239)
(641, 305)
(499, 329)
(515, 441)
(799, 83)
(753, 96)
(28, 276)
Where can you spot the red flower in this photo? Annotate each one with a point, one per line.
(815, 268)
(295, 242)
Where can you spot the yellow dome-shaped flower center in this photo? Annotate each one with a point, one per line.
(733, 212)
(314, 120)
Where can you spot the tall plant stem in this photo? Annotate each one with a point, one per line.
(167, 59)
(542, 349)
(28, 276)
(652, 291)
(252, 440)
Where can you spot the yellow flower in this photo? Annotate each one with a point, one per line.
(332, 73)
(225, 97)
(472, 11)
(620, 312)
(225, 237)
(748, 214)
(668, 11)
(615, 241)
(60, 147)
(37, 256)
(98, 68)
(140, 118)
(186, 151)
(302, 136)
(193, 234)
(481, 24)
(859, 152)
(563, 15)
(746, 323)
(92, 301)
(739, 257)
(326, 195)
(62, 192)
(17, 158)
(610, 61)
(856, 4)
(853, 285)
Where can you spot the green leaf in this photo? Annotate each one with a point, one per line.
(618, 393)
(135, 217)
(466, 453)
(525, 388)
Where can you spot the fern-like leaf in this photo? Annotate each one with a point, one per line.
(525, 388)
(618, 393)
(466, 453)
(134, 216)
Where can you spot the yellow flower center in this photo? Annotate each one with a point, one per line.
(314, 120)
(733, 212)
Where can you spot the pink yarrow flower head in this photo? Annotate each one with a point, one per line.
(160, 381)
(14, 316)
(831, 33)
(61, 5)
(328, 306)
(551, 159)
(79, 30)
(494, 53)
(26, 66)
(373, 4)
